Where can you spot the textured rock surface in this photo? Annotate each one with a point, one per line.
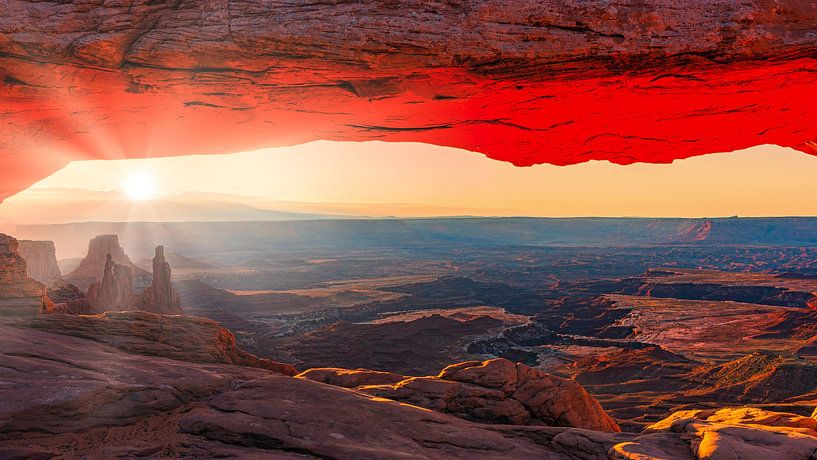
(92, 267)
(115, 291)
(738, 433)
(81, 384)
(544, 81)
(19, 294)
(494, 391)
(160, 297)
(41, 261)
(105, 402)
(186, 338)
(67, 298)
(80, 397)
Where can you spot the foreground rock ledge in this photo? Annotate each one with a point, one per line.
(95, 394)
(545, 81)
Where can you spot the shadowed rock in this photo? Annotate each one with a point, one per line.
(115, 291)
(92, 267)
(160, 297)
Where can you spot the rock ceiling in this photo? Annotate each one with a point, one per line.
(538, 82)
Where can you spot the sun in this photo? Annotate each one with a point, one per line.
(139, 187)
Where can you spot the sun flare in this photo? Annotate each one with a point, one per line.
(140, 187)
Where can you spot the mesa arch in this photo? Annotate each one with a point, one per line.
(543, 81)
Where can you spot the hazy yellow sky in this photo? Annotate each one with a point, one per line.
(409, 179)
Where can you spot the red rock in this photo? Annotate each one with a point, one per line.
(737, 433)
(160, 297)
(106, 396)
(56, 384)
(19, 294)
(558, 82)
(185, 338)
(493, 391)
(115, 292)
(350, 378)
(92, 267)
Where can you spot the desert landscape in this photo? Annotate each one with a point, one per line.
(393, 229)
(628, 350)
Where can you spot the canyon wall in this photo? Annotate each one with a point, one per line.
(543, 81)
(93, 266)
(41, 261)
(19, 294)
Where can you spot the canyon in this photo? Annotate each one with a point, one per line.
(541, 82)
(494, 338)
(462, 349)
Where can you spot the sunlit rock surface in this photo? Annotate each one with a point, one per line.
(494, 391)
(555, 81)
(114, 386)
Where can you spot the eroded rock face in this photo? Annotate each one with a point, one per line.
(92, 267)
(493, 391)
(19, 294)
(82, 384)
(185, 338)
(67, 298)
(539, 82)
(103, 391)
(115, 291)
(41, 261)
(160, 297)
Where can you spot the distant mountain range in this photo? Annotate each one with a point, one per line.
(251, 237)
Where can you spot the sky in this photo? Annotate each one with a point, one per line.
(380, 179)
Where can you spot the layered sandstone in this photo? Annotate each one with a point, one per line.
(493, 391)
(67, 298)
(41, 261)
(544, 81)
(93, 266)
(160, 297)
(185, 338)
(115, 291)
(114, 400)
(732, 433)
(19, 294)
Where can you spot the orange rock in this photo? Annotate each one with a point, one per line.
(492, 391)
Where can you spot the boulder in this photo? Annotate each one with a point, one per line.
(493, 391)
